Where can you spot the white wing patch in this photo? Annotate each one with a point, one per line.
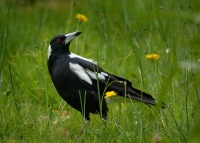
(80, 72)
(104, 74)
(94, 75)
(86, 74)
(72, 55)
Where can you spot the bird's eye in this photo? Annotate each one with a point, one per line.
(58, 40)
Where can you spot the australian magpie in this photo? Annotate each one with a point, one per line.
(82, 83)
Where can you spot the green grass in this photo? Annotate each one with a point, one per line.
(120, 34)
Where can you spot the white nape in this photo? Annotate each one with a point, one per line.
(49, 51)
(80, 72)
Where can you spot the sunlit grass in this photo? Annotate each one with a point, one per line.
(121, 36)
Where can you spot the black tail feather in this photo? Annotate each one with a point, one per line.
(138, 95)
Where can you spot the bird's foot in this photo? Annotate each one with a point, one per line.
(86, 124)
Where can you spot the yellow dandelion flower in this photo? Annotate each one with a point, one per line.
(81, 18)
(152, 57)
(110, 94)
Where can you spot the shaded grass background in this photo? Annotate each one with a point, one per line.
(122, 33)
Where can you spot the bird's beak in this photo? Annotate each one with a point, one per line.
(71, 36)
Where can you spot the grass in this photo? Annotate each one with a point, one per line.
(122, 33)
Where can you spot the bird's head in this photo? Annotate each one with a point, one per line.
(60, 43)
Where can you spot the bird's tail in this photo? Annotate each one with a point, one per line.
(124, 88)
(138, 95)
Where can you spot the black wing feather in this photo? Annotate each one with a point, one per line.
(117, 84)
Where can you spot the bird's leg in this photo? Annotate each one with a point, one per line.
(86, 122)
(104, 119)
(85, 126)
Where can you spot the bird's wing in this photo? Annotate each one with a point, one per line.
(94, 72)
(90, 72)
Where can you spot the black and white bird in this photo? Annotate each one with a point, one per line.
(82, 83)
